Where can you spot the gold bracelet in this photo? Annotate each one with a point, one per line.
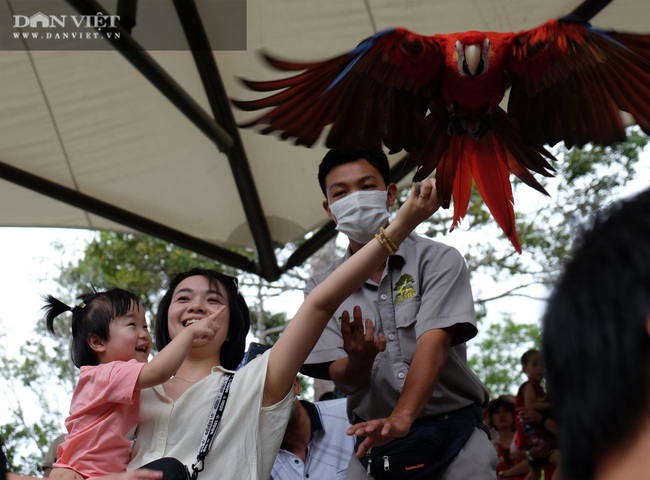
(386, 242)
(383, 243)
(388, 239)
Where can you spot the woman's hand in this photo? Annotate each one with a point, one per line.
(420, 205)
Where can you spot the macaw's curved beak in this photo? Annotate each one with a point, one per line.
(473, 55)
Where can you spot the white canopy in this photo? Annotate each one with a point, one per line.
(129, 142)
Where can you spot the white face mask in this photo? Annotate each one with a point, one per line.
(361, 214)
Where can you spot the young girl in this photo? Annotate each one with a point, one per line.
(501, 419)
(111, 345)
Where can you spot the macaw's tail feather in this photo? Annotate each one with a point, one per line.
(520, 156)
(483, 161)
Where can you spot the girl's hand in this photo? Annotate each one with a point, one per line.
(207, 327)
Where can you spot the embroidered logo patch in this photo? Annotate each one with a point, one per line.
(404, 288)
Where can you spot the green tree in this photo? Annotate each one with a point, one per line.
(495, 355)
(26, 442)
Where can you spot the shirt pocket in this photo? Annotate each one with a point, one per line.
(405, 318)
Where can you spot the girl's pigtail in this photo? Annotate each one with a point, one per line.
(53, 308)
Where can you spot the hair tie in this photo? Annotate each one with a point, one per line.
(81, 305)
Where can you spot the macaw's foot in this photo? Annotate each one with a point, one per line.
(477, 127)
(456, 125)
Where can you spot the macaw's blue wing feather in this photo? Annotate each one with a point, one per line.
(358, 52)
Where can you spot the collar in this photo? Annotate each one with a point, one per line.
(219, 368)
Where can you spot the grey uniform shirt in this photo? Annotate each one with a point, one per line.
(425, 286)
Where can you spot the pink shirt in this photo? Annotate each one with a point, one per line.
(105, 407)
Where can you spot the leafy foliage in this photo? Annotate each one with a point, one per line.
(138, 263)
(26, 441)
(496, 355)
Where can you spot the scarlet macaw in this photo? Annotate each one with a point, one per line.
(438, 97)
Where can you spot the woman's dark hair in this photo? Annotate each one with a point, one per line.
(232, 351)
(91, 316)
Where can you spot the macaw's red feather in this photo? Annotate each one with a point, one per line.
(570, 81)
(462, 190)
(489, 161)
(489, 166)
(485, 161)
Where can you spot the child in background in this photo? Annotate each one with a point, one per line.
(111, 345)
(501, 420)
(531, 394)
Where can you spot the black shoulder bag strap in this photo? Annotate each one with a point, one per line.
(213, 422)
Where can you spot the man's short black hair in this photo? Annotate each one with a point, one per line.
(340, 156)
(595, 339)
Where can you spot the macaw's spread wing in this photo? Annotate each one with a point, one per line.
(570, 80)
(377, 93)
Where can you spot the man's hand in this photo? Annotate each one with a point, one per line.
(352, 373)
(361, 347)
(379, 432)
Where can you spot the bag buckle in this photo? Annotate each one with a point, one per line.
(386, 463)
(197, 468)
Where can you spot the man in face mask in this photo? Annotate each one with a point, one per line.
(420, 305)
